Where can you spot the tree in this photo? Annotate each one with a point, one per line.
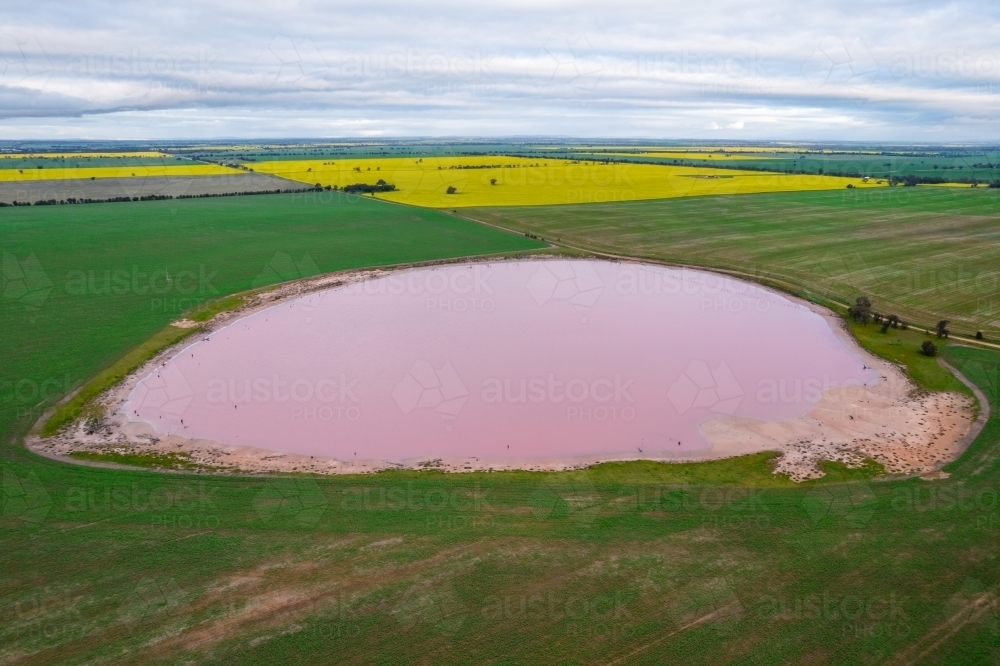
(928, 348)
(493, 181)
(942, 328)
(451, 189)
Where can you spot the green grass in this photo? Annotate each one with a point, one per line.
(922, 253)
(152, 460)
(134, 566)
(903, 347)
(69, 162)
(212, 308)
(955, 166)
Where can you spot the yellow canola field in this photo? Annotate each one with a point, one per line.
(86, 173)
(147, 153)
(539, 181)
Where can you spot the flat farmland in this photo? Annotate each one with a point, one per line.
(174, 186)
(28, 174)
(517, 181)
(924, 253)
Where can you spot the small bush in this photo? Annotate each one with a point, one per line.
(928, 348)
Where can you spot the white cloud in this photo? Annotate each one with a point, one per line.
(780, 69)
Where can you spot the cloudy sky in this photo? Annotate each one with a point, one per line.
(894, 71)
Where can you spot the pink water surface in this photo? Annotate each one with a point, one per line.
(529, 359)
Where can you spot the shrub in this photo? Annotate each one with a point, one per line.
(928, 348)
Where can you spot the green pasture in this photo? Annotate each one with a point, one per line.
(959, 165)
(640, 563)
(43, 162)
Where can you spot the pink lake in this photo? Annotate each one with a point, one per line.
(515, 359)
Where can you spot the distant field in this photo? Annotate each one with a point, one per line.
(957, 165)
(107, 188)
(136, 171)
(83, 155)
(682, 155)
(88, 160)
(924, 253)
(538, 181)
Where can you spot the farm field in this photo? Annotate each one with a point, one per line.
(699, 563)
(924, 253)
(107, 188)
(88, 160)
(958, 165)
(511, 181)
(28, 174)
(125, 154)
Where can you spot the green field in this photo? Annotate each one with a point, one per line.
(924, 253)
(625, 563)
(958, 165)
(43, 162)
